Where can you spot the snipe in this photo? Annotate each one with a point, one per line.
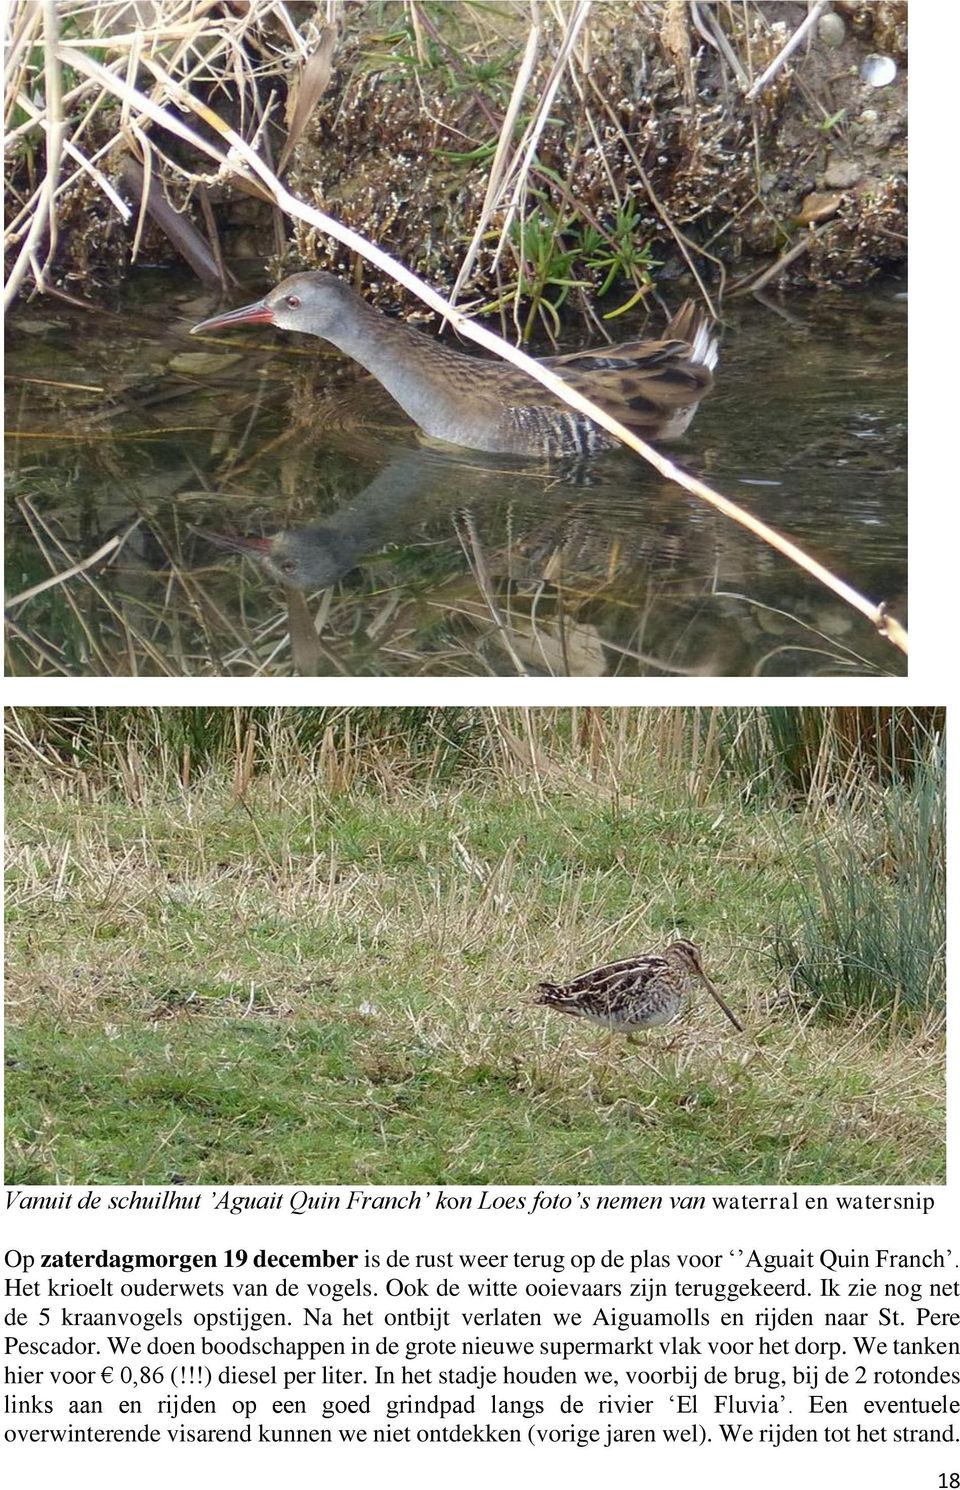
(635, 994)
(652, 387)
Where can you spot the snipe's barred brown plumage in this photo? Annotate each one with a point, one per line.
(634, 994)
(652, 387)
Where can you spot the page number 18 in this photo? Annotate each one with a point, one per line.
(949, 1482)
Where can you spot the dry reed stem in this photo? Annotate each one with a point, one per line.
(474, 552)
(65, 574)
(497, 172)
(527, 148)
(44, 214)
(713, 34)
(810, 20)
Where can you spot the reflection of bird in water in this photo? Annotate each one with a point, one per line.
(540, 529)
(653, 387)
(315, 557)
(302, 558)
(635, 994)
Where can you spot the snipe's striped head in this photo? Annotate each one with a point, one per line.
(686, 954)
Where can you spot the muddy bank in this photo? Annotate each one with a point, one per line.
(651, 160)
(644, 146)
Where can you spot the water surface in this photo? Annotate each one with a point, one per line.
(124, 433)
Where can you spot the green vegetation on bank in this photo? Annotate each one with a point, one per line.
(275, 946)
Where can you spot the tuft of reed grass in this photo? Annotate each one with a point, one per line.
(869, 928)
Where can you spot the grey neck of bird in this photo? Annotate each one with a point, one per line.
(408, 364)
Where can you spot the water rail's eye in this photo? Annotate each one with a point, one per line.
(293, 301)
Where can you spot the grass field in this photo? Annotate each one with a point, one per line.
(315, 965)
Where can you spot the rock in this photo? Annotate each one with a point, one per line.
(831, 30)
(819, 205)
(842, 173)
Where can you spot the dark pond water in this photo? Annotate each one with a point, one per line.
(124, 431)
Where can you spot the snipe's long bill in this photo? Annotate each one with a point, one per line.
(635, 994)
(652, 387)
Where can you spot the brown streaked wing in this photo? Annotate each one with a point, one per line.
(609, 972)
